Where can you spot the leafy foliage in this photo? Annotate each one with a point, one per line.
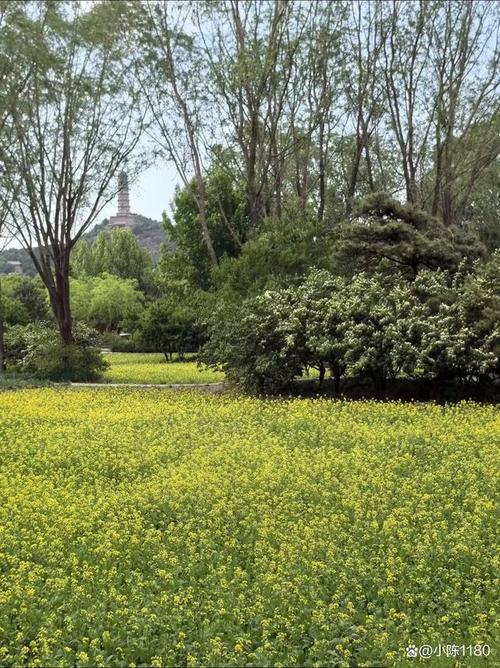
(106, 302)
(282, 252)
(368, 326)
(227, 222)
(387, 234)
(117, 253)
(170, 328)
(37, 350)
(24, 300)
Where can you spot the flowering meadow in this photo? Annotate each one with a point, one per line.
(154, 527)
(153, 368)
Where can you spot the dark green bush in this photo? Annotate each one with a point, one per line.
(256, 344)
(66, 363)
(375, 327)
(37, 349)
(171, 328)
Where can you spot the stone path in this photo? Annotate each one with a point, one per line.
(205, 387)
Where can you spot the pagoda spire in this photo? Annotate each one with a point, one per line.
(123, 216)
(123, 195)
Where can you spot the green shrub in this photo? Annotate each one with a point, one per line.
(257, 345)
(372, 327)
(38, 350)
(170, 328)
(61, 362)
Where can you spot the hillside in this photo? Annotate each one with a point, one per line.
(149, 233)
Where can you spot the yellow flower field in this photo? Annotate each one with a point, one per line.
(163, 528)
(153, 368)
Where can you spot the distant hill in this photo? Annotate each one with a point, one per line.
(150, 235)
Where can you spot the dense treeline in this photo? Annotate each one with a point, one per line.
(435, 328)
(350, 143)
(314, 105)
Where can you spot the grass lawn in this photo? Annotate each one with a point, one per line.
(153, 368)
(155, 527)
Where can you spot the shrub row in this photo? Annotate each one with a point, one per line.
(436, 327)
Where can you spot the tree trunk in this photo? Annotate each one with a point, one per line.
(253, 205)
(438, 175)
(60, 300)
(204, 225)
(322, 175)
(354, 175)
(336, 371)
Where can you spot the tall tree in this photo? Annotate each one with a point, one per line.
(465, 58)
(226, 213)
(170, 74)
(313, 103)
(69, 138)
(14, 71)
(116, 252)
(363, 93)
(251, 48)
(406, 34)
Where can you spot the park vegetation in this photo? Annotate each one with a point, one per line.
(335, 231)
(161, 528)
(338, 207)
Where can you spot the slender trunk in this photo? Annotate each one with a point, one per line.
(437, 178)
(278, 184)
(203, 222)
(253, 205)
(369, 169)
(252, 194)
(354, 175)
(368, 160)
(2, 330)
(447, 195)
(322, 176)
(195, 154)
(322, 372)
(412, 188)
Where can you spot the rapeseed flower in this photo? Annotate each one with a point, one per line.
(148, 527)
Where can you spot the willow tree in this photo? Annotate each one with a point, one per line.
(66, 141)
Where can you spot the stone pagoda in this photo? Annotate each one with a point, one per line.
(123, 218)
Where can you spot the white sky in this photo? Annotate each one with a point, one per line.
(151, 195)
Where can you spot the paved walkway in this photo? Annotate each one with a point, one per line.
(205, 387)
